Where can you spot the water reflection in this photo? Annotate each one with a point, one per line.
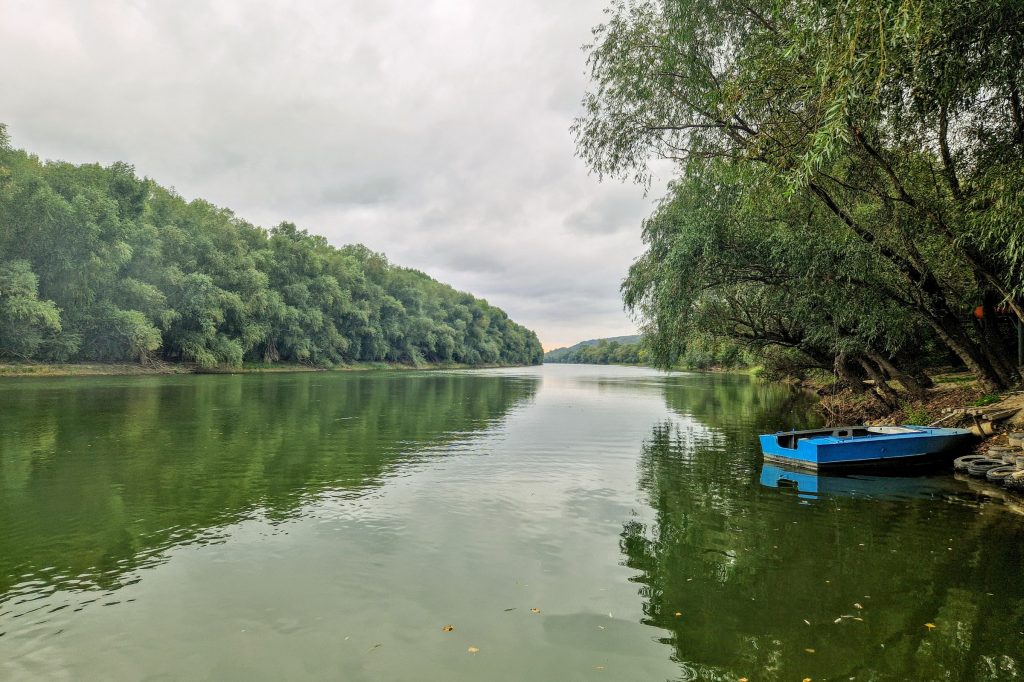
(811, 485)
(99, 477)
(330, 525)
(836, 579)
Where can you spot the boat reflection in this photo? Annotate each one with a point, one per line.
(811, 485)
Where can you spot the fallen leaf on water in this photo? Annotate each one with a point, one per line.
(807, 679)
(930, 626)
(807, 621)
(598, 667)
(448, 628)
(472, 650)
(859, 620)
(857, 606)
(743, 679)
(535, 610)
(838, 620)
(810, 651)
(678, 614)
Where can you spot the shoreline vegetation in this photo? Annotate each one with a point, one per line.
(98, 265)
(840, 400)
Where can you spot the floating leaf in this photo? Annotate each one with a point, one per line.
(857, 606)
(472, 650)
(930, 626)
(807, 621)
(810, 651)
(598, 667)
(534, 610)
(678, 614)
(448, 628)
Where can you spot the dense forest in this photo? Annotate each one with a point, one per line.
(99, 264)
(618, 350)
(848, 184)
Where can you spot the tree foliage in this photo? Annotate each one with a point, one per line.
(848, 173)
(604, 352)
(99, 264)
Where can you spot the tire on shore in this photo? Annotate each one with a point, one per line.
(1004, 453)
(961, 463)
(982, 466)
(1000, 474)
(1014, 481)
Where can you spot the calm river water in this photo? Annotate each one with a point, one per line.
(570, 522)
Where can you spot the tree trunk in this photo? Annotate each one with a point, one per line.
(885, 393)
(911, 384)
(844, 372)
(993, 345)
(975, 363)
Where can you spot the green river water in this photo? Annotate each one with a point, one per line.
(329, 525)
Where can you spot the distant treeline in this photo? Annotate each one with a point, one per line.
(99, 264)
(848, 190)
(699, 353)
(599, 352)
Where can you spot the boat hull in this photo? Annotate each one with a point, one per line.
(865, 447)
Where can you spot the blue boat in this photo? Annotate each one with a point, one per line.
(857, 447)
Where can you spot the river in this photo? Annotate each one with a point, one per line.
(569, 522)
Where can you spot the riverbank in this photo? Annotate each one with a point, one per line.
(30, 369)
(955, 400)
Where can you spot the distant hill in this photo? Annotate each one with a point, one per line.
(575, 354)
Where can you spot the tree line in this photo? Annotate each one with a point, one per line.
(604, 352)
(848, 183)
(97, 264)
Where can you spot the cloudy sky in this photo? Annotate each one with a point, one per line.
(434, 131)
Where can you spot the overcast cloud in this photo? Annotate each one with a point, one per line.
(434, 131)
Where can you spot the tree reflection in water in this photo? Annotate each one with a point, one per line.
(750, 581)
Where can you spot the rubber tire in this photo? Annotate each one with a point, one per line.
(961, 463)
(1000, 474)
(981, 467)
(1014, 481)
(1001, 451)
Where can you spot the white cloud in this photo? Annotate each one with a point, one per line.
(436, 132)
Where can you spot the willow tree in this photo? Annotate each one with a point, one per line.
(900, 118)
(729, 259)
